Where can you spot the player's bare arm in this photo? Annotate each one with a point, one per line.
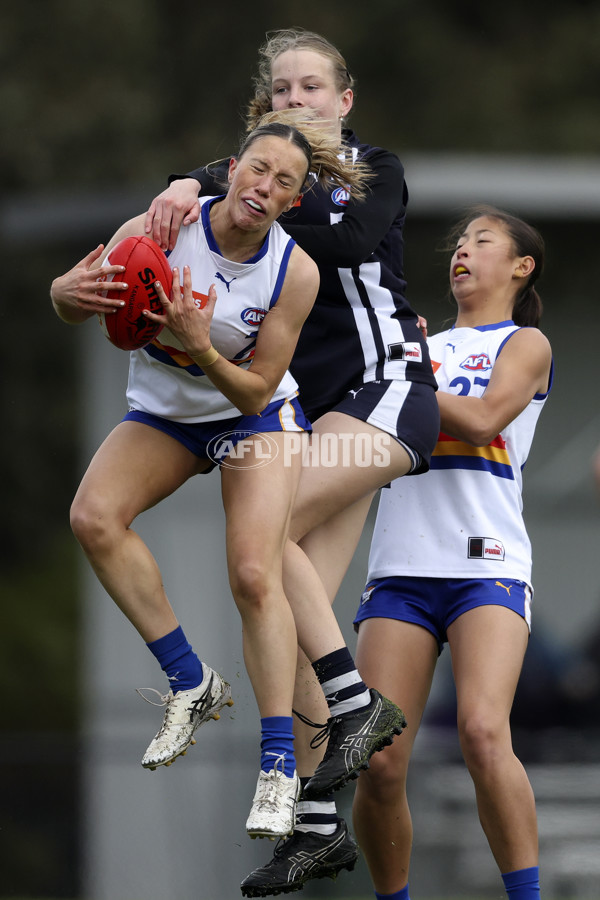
(279, 333)
(250, 390)
(521, 371)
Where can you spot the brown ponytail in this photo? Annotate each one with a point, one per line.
(326, 161)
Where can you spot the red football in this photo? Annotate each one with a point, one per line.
(145, 263)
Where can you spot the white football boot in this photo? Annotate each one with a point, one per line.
(185, 712)
(273, 812)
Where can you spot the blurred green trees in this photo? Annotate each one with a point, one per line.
(99, 97)
(101, 93)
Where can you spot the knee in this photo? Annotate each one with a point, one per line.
(250, 583)
(385, 778)
(482, 738)
(91, 522)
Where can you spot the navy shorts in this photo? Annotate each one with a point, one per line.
(408, 410)
(215, 440)
(435, 603)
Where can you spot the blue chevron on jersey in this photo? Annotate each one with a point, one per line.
(469, 491)
(163, 379)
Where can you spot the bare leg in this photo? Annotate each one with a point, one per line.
(398, 659)
(134, 469)
(488, 645)
(257, 505)
(327, 522)
(329, 547)
(328, 519)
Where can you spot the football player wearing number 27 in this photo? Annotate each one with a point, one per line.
(183, 392)
(450, 559)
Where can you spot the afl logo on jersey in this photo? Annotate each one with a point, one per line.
(340, 196)
(252, 315)
(479, 363)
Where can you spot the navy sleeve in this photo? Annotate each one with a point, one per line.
(209, 183)
(365, 223)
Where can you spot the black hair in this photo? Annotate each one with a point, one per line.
(527, 241)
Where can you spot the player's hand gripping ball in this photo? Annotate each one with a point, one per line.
(145, 263)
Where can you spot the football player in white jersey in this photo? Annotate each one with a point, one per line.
(366, 383)
(450, 560)
(200, 360)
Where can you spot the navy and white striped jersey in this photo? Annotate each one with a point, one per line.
(361, 327)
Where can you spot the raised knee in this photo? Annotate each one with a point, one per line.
(90, 523)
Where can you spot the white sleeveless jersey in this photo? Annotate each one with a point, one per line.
(163, 379)
(463, 518)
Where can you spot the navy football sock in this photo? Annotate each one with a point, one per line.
(177, 660)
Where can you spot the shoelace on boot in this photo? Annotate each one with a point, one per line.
(322, 735)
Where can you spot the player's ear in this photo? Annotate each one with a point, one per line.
(232, 168)
(346, 101)
(295, 202)
(525, 267)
